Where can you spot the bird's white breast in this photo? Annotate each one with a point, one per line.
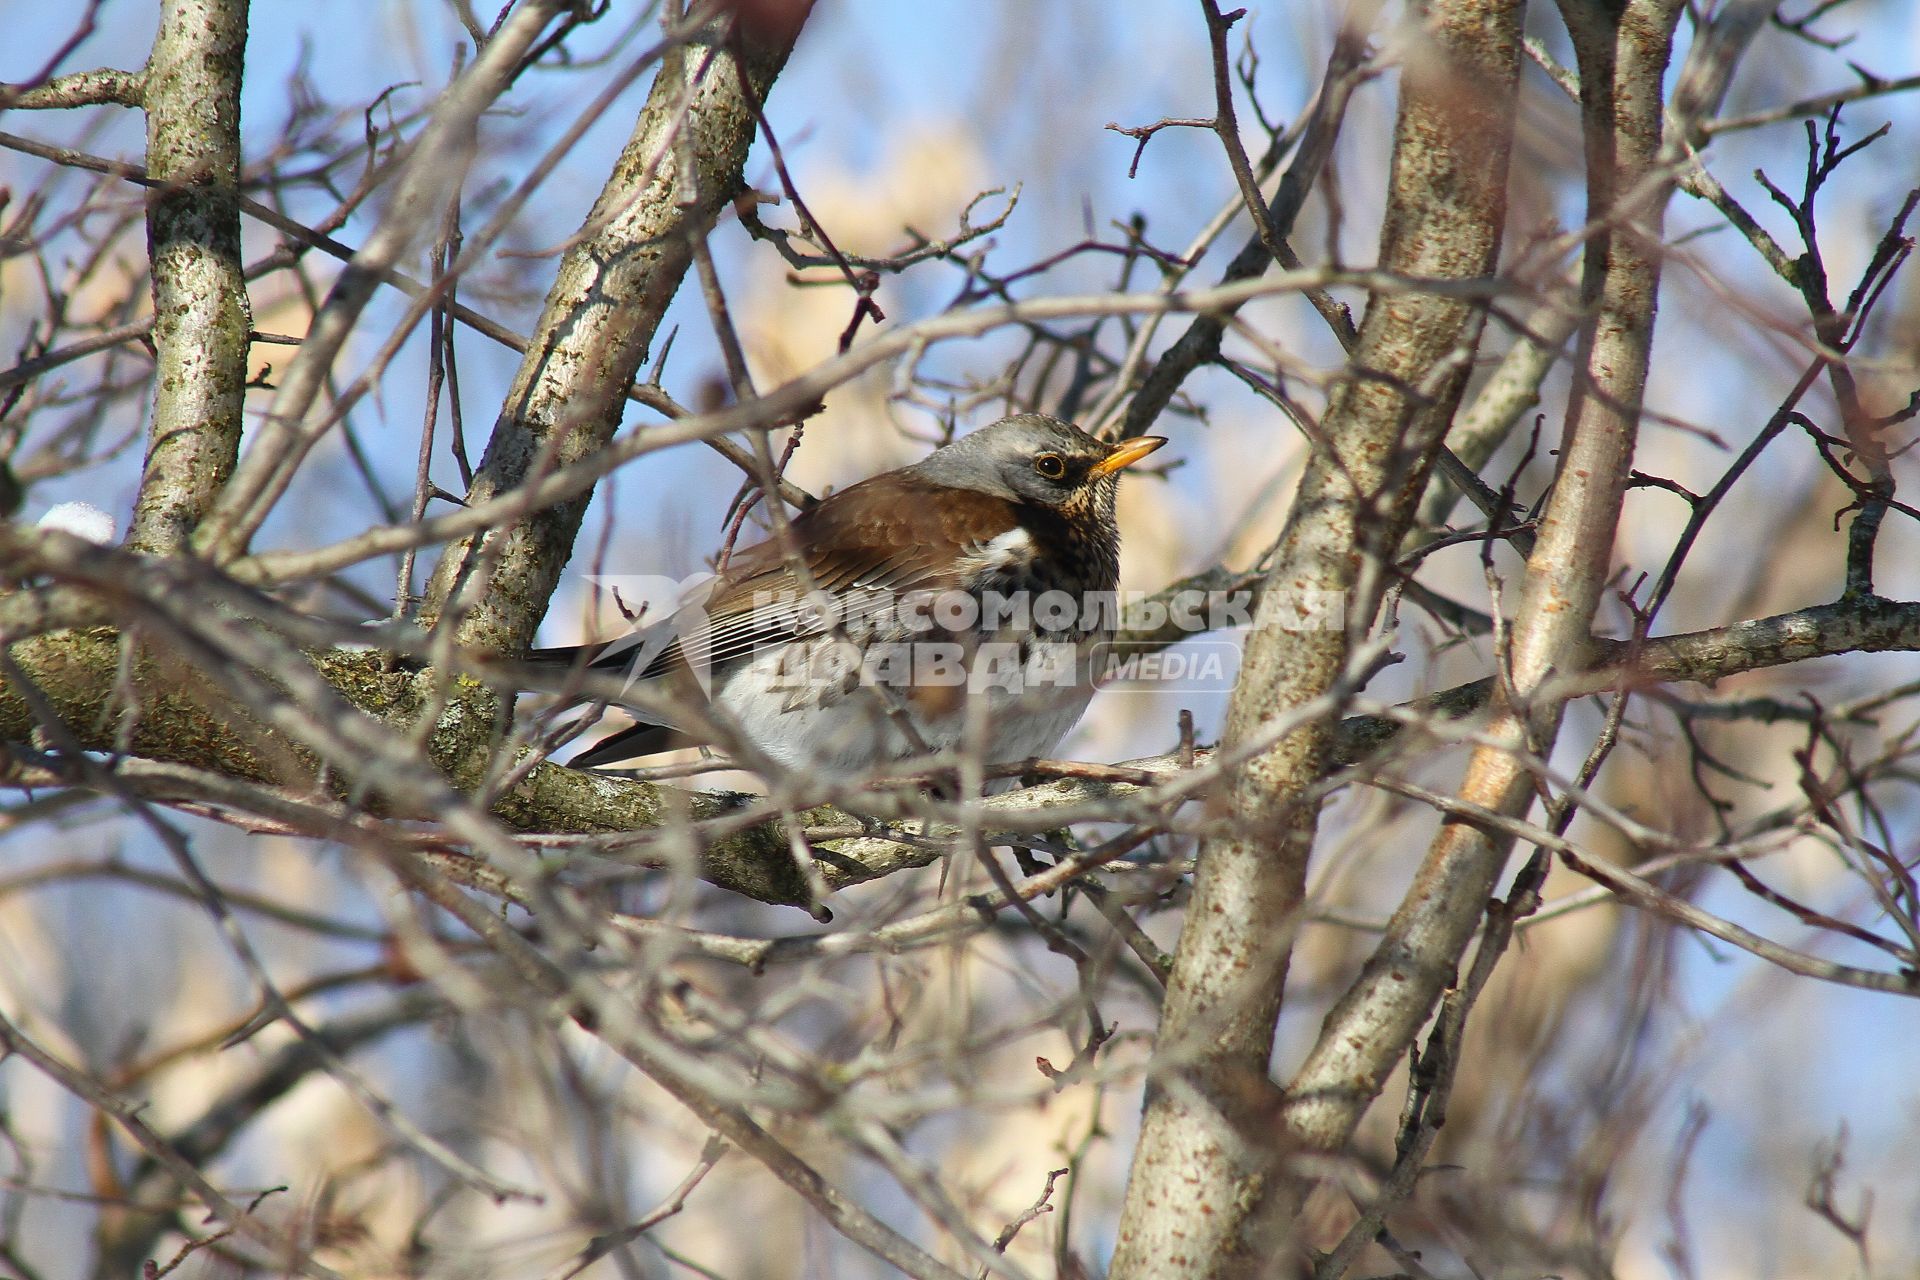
(1026, 708)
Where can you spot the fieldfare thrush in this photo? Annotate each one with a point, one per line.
(964, 595)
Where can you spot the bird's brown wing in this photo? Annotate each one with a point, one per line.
(862, 547)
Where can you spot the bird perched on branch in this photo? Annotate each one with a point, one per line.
(953, 604)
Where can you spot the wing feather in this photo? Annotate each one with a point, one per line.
(865, 546)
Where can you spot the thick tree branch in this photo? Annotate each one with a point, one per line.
(612, 288)
(1623, 55)
(1200, 1173)
(202, 322)
(189, 716)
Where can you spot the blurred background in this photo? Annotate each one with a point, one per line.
(1636, 1101)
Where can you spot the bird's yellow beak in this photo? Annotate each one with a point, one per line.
(1125, 455)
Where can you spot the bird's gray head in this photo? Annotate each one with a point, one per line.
(1032, 458)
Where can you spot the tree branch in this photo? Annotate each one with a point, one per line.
(612, 288)
(1201, 342)
(1200, 1174)
(202, 321)
(102, 87)
(432, 171)
(1622, 57)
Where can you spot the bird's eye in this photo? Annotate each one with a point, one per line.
(1050, 466)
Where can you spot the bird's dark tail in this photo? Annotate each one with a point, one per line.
(642, 739)
(636, 743)
(597, 657)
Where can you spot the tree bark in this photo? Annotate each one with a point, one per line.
(1623, 55)
(1204, 1165)
(612, 289)
(202, 322)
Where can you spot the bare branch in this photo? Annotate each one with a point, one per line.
(1623, 56)
(1196, 1187)
(430, 175)
(202, 321)
(1346, 69)
(612, 288)
(107, 86)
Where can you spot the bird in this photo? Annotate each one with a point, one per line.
(953, 603)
